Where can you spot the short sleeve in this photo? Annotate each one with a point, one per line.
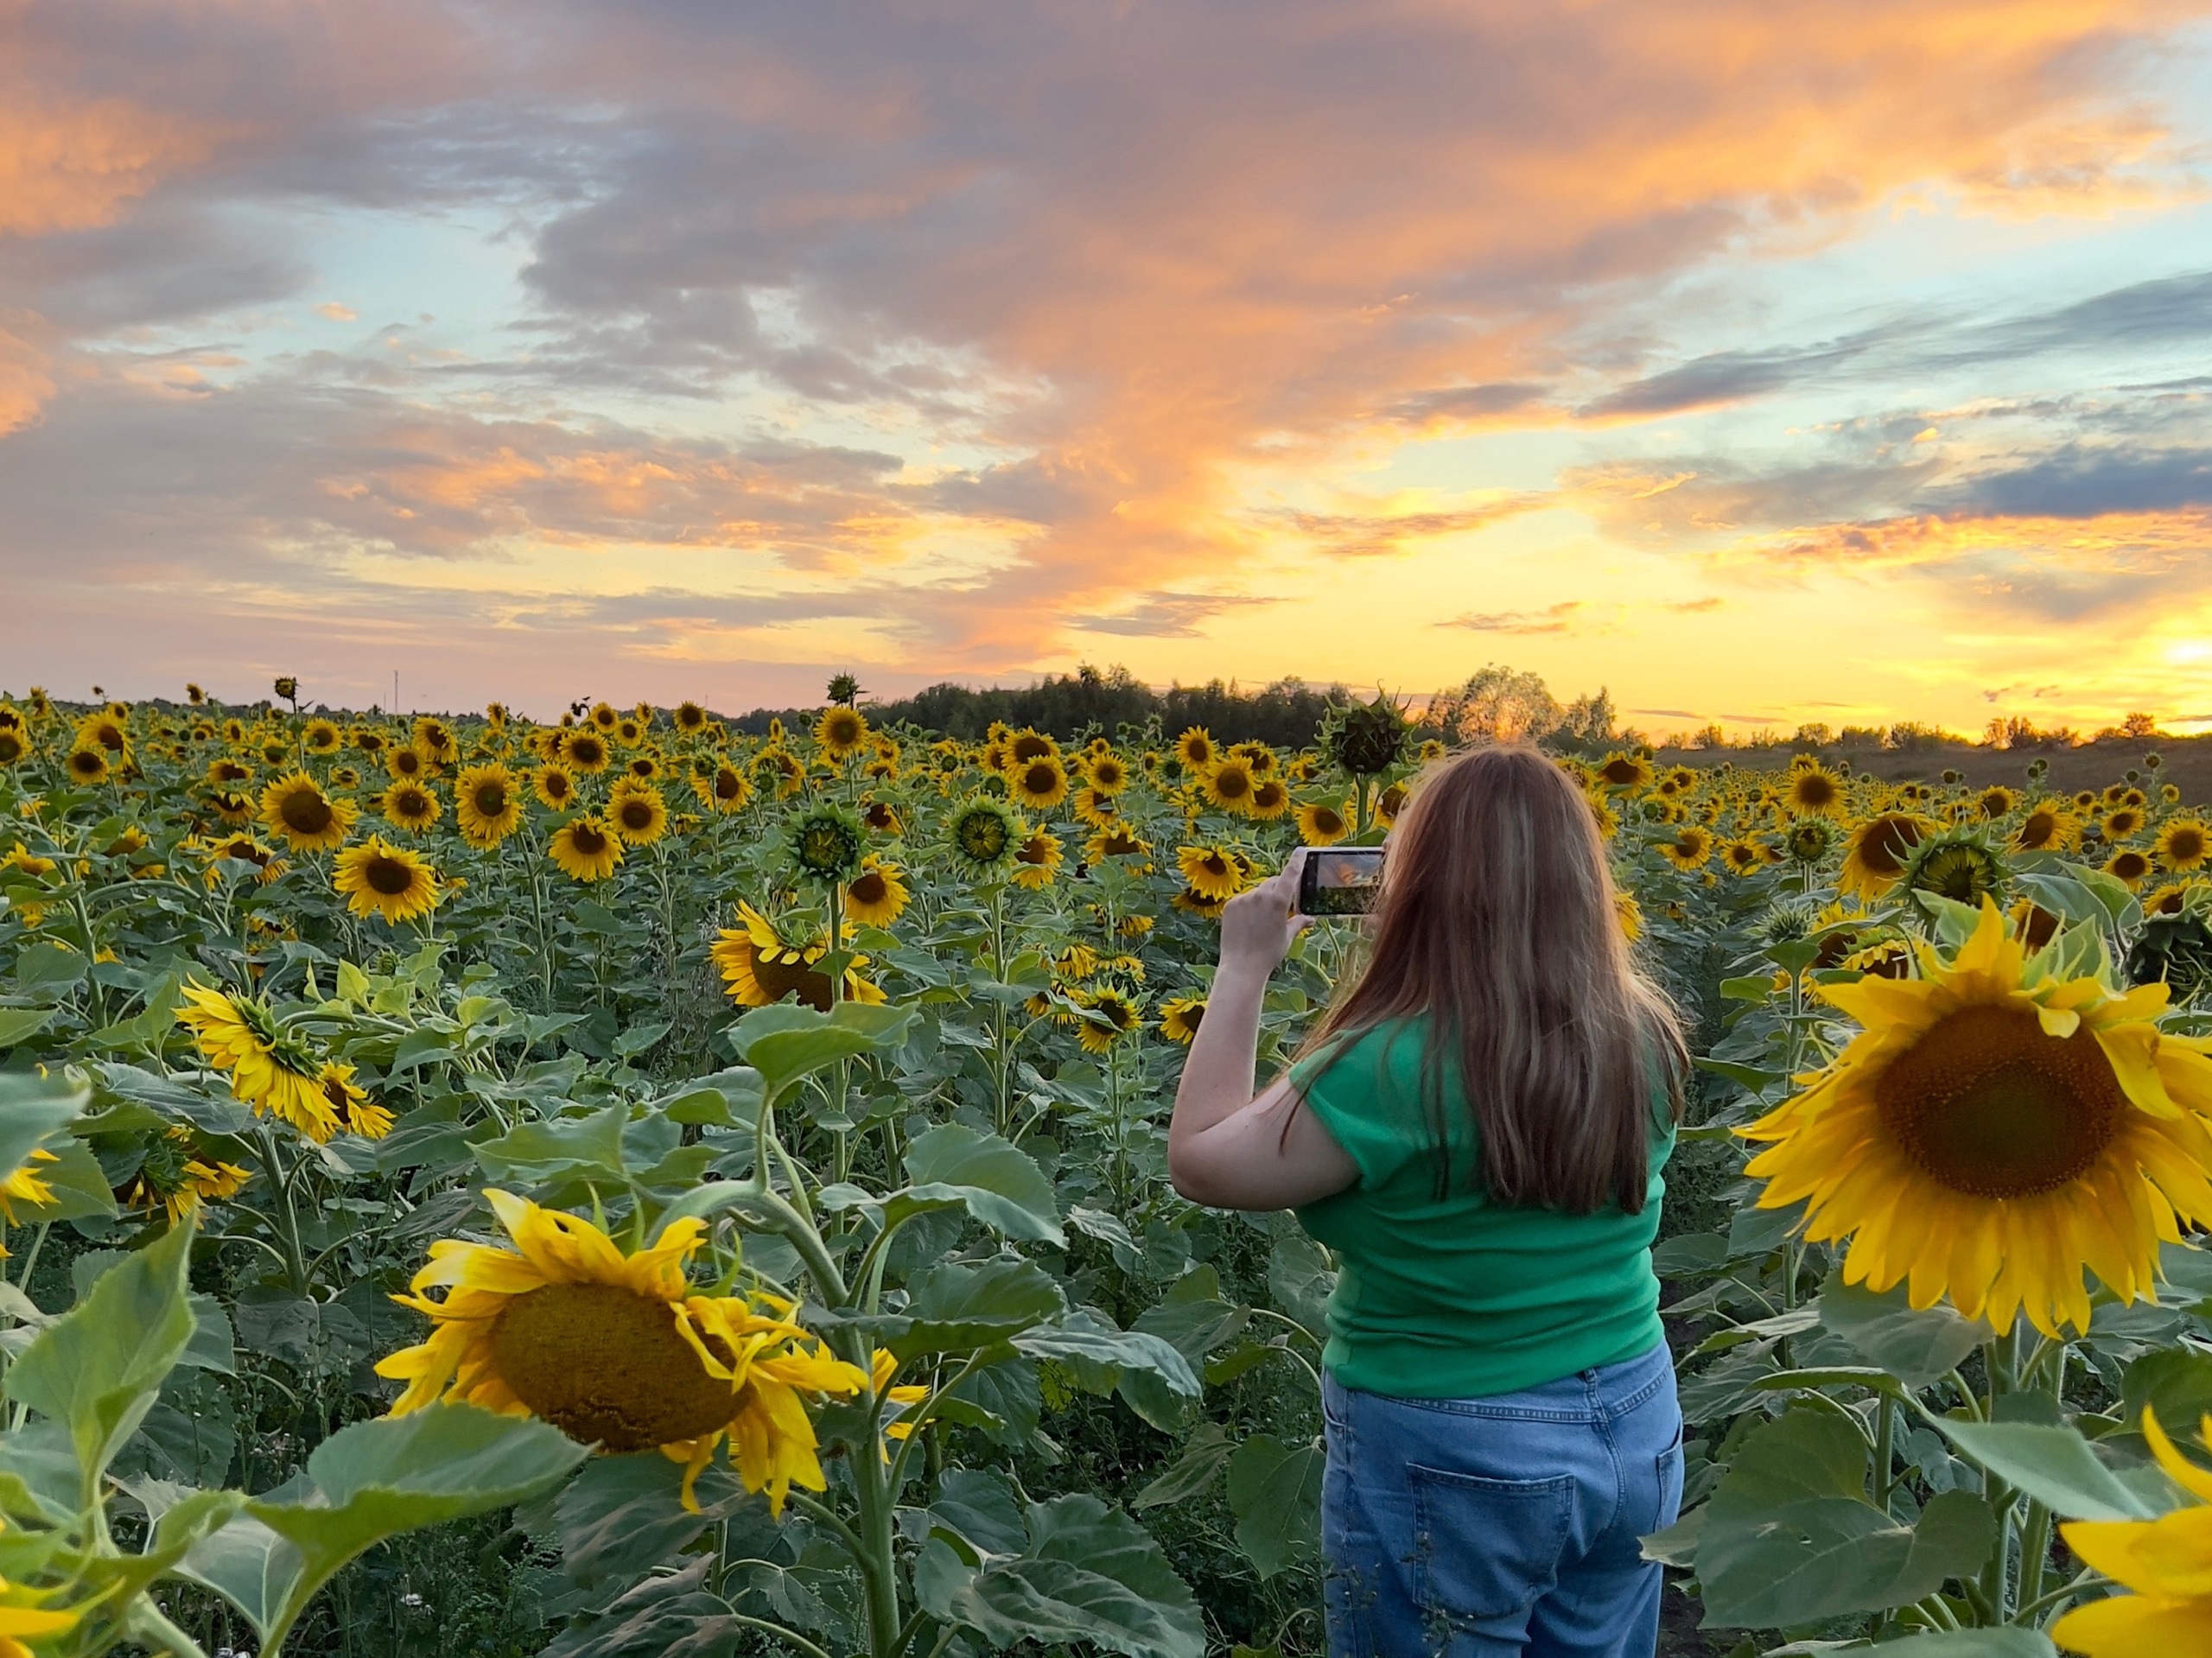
(1347, 1085)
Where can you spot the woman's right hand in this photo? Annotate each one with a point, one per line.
(1256, 927)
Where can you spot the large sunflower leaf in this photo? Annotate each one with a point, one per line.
(954, 1166)
(1916, 1347)
(33, 1111)
(1275, 1490)
(2055, 1465)
(1091, 1576)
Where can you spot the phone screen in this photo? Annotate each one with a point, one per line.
(1339, 881)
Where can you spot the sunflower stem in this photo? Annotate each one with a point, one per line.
(288, 1214)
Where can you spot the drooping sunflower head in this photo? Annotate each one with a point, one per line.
(986, 836)
(297, 809)
(376, 877)
(412, 806)
(585, 848)
(1365, 739)
(1993, 1130)
(271, 1067)
(759, 967)
(637, 813)
(826, 842)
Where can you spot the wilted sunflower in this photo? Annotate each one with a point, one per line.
(1195, 749)
(1108, 1014)
(1993, 1130)
(412, 806)
(760, 969)
(841, 732)
(2183, 844)
(986, 836)
(2130, 865)
(585, 848)
(1878, 852)
(270, 1070)
(586, 750)
(87, 766)
(2048, 827)
(616, 1350)
(554, 786)
(175, 1178)
(355, 1111)
(1038, 861)
(637, 814)
(487, 805)
(307, 819)
(826, 842)
(1215, 874)
(1180, 1017)
(1228, 785)
(877, 896)
(377, 878)
(726, 789)
(1323, 824)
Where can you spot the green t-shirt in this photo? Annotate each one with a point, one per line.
(1457, 1297)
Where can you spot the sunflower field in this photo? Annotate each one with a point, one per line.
(628, 1188)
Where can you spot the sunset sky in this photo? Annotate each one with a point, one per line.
(1764, 361)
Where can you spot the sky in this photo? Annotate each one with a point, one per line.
(1761, 361)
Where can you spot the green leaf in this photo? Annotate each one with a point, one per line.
(994, 1180)
(1833, 1375)
(1091, 1575)
(954, 1307)
(979, 1508)
(622, 1516)
(1206, 1453)
(792, 1048)
(22, 1023)
(2176, 1383)
(1081, 1337)
(99, 1366)
(48, 967)
(1300, 1279)
(1790, 1538)
(2055, 1465)
(1971, 1643)
(33, 1111)
(78, 1184)
(1916, 1347)
(539, 1153)
(1275, 1490)
(397, 1473)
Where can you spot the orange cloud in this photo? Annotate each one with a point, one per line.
(70, 167)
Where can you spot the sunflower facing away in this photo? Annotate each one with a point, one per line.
(1991, 1131)
(297, 809)
(271, 1069)
(175, 1178)
(585, 848)
(2164, 1561)
(617, 1351)
(377, 878)
(760, 969)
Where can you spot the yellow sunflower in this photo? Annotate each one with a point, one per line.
(1742, 856)
(1813, 790)
(1214, 873)
(86, 766)
(225, 772)
(1624, 773)
(309, 820)
(691, 719)
(355, 1111)
(436, 738)
(1228, 786)
(2129, 866)
(877, 895)
(487, 805)
(637, 814)
(617, 1351)
(726, 789)
(2183, 844)
(586, 750)
(1040, 783)
(1991, 1131)
(15, 745)
(2050, 826)
(2121, 823)
(1036, 861)
(1180, 1017)
(841, 732)
(1322, 822)
(321, 737)
(1996, 801)
(2164, 1560)
(1270, 798)
(1389, 803)
(376, 877)
(1195, 748)
(1878, 851)
(1108, 1014)
(412, 806)
(176, 1180)
(23, 1185)
(585, 848)
(758, 968)
(1689, 847)
(270, 1070)
(1115, 839)
(554, 786)
(406, 762)
(1107, 773)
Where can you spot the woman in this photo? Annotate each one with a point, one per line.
(1477, 1130)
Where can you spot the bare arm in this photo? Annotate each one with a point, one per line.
(1226, 1148)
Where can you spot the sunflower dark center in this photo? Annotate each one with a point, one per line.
(1814, 790)
(2040, 829)
(306, 812)
(2185, 844)
(556, 785)
(388, 876)
(587, 751)
(606, 1367)
(1888, 843)
(1986, 1102)
(868, 887)
(1040, 778)
(1035, 850)
(2130, 865)
(587, 840)
(491, 799)
(637, 814)
(1620, 772)
(1232, 781)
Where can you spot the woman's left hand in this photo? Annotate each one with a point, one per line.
(1257, 926)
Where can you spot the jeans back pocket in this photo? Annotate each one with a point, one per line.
(1669, 1466)
(1486, 1549)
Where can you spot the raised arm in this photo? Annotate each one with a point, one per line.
(1225, 1148)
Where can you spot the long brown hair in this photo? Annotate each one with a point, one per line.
(1496, 919)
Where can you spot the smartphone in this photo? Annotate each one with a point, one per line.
(1339, 881)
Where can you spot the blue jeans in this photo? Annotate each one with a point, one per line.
(1502, 1527)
